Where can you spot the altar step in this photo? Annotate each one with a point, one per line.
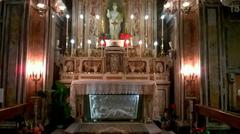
(120, 128)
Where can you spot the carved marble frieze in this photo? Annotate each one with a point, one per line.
(91, 66)
(115, 63)
(68, 65)
(81, 65)
(114, 66)
(137, 66)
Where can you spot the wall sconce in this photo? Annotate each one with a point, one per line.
(170, 7)
(60, 5)
(36, 76)
(190, 74)
(35, 71)
(42, 7)
(186, 6)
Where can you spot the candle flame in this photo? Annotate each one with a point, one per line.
(34, 68)
(67, 16)
(188, 70)
(89, 42)
(132, 16)
(155, 43)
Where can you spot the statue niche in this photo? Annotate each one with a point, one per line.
(115, 21)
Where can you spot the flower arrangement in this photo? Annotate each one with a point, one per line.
(104, 36)
(125, 37)
(203, 130)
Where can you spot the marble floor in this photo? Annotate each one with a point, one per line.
(121, 128)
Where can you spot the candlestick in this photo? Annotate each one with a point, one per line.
(146, 29)
(81, 26)
(140, 45)
(127, 42)
(162, 44)
(58, 43)
(81, 45)
(96, 46)
(89, 43)
(72, 47)
(132, 17)
(155, 46)
(126, 28)
(67, 38)
(35, 102)
(102, 43)
(162, 17)
(97, 18)
(36, 76)
(103, 29)
(67, 16)
(81, 29)
(78, 45)
(146, 24)
(146, 42)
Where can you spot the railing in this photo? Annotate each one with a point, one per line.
(219, 115)
(11, 112)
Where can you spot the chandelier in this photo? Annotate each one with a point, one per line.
(233, 4)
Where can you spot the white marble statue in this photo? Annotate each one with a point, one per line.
(115, 20)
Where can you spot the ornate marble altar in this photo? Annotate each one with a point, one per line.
(116, 72)
(147, 88)
(114, 62)
(115, 65)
